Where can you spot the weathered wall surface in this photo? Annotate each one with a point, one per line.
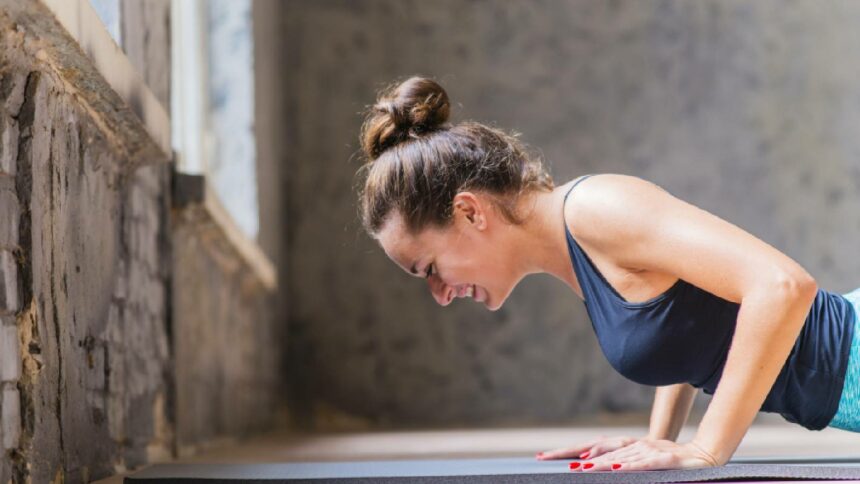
(748, 110)
(146, 42)
(226, 337)
(88, 393)
(225, 324)
(222, 324)
(105, 289)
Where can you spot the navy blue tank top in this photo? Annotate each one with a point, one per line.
(683, 336)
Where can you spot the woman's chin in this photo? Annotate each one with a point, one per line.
(483, 297)
(490, 304)
(494, 304)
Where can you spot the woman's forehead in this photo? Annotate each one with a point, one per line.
(397, 242)
(404, 247)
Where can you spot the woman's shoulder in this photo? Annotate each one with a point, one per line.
(597, 186)
(607, 179)
(591, 195)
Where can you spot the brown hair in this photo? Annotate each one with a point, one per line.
(416, 161)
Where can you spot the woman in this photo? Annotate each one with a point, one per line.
(679, 298)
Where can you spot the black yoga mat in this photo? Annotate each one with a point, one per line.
(519, 470)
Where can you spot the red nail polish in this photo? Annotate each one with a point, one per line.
(584, 455)
(615, 467)
(574, 465)
(588, 466)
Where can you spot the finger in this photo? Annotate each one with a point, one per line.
(589, 449)
(601, 450)
(605, 462)
(597, 450)
(596, 466)
(661, 461)
(565, 453)
(569, 453)
(654, 459)
(612, 445)
(620, 455)
(628, 450)
(602, 438)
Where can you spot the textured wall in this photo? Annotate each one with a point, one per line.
(129, 331)
(92, 346)
(225, 325)
(225, 334)
(145, 36)
(746, 109)
(224, 331)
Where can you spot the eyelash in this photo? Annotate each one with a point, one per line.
(429, 271)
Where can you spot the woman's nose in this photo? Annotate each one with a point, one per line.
(442, 292)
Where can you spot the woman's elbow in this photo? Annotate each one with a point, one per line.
(798, 285)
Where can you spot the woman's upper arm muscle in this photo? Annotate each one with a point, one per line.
(642, 226)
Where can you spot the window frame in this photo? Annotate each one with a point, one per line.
(83, 24)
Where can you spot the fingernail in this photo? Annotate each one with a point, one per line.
(584, 455)
(588, 466)
(539, 455)
(574, 465)
(615, 467)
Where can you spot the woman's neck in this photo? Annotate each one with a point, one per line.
(540, 241)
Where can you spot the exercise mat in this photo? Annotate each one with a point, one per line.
(518, 470)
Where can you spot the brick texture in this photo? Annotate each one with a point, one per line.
(10, 359)
(9, 301)
(86, 244)
(10, 417)
(9, 216)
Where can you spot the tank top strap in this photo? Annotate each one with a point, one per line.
(590, 279)
(575, 184)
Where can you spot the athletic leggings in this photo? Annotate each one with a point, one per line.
(848, 414)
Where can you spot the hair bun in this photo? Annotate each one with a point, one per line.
(402, 111)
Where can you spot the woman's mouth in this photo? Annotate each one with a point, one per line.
(473, 291)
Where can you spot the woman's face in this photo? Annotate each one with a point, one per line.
(468, 258)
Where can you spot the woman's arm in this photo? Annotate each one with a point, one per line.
(769, 322)
(672, 404)
(642, 226)
(671, 408)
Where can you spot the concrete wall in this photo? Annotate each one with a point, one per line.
(746, 109)
(227, 339)
(91, 307)
(131, 331)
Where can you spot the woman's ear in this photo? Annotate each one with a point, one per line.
(471, 208)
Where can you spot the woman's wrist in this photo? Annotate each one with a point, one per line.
(656, 437)
(707, 454)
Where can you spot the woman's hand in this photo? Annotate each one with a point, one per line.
(588, 450)
(650, 454)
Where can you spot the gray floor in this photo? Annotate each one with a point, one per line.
(510, 470)
(767, 438)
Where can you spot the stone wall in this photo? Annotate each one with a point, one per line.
(746, 109)
(108, 293)
(226, 336)
(87, 393)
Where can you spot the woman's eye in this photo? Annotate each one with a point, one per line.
(429, 270)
